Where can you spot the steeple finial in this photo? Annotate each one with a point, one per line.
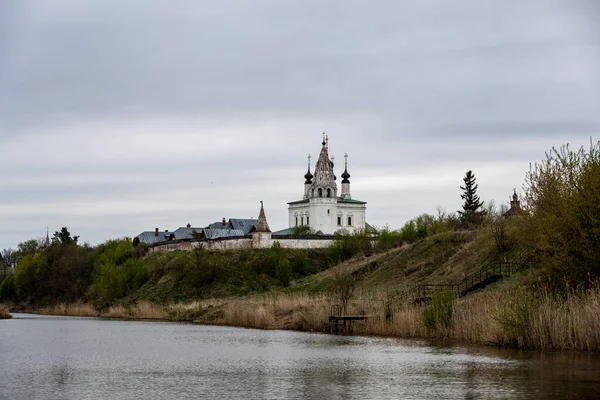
(345, 175)
(308, 176)
(323, 143)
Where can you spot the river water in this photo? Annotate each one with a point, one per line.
(46, 357)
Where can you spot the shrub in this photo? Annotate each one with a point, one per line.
(109, 284)
(517, 314)
(135, 273)
(388, 239)
(438, 314)
(346, 245)
(7, 289)
(30, 275)
(300, 263)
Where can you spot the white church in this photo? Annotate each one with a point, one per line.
(321, 209)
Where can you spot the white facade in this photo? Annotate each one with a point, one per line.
(321, 209)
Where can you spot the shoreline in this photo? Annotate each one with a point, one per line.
(499, 318)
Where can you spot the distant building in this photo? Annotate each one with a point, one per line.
(321, 209)
(235, 223)
(515, 206)
(217, 230)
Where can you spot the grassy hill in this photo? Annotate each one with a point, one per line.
(440, 259)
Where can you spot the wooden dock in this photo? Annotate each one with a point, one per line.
(337, 320)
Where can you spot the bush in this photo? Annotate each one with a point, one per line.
(30, 275)
(346, 245)
(388, 239)
(135, 273)
(7, 289)
(109, 284)
(438, 314)
(300, 265)
(427, 225)
(517, 314)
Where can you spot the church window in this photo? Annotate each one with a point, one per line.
(307, 223)
(301, 220)
(349, 221)
(327, 212)
(339, 221)
(320, 192)
(296, 221)
(328, 192)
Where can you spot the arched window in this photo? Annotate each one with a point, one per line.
(328, 192)
(320, 192)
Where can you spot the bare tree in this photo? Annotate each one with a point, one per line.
(343, 288)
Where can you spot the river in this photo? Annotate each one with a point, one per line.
(49, 357)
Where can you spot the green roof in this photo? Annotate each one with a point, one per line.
(340, 200)
(370, 229)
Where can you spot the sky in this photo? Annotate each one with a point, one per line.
(119, 117)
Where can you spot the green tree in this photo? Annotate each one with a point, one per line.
(472, 212)
(7, 289)
(30, 276)
(64, 238)
(28, 247)
(563, 194)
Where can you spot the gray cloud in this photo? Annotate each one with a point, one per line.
(115, 117)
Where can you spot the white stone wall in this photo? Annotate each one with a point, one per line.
(357, 212)
(304, 243)
(258, 241)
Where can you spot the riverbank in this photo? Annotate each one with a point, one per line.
(4, 312)
(506, 316)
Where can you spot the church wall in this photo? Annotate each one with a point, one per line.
(356, 211)
(322, 211)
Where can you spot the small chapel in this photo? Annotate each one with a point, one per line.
(322, 209)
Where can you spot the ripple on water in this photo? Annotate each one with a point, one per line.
(44, 357)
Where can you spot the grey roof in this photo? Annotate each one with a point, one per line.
(299, 201)
(243, 224)
(283, 232)
(150, 237)
(222, 233)
(219, 225)
(186, 233)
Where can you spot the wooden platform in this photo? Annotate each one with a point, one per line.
(346, 320)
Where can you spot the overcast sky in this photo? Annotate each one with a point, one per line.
(119, 117)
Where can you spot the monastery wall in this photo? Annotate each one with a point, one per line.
(257, 241)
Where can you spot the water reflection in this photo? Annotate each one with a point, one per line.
(72, 358)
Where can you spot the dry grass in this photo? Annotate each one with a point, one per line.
(4, 312)
(501, 317)
(74, 309)
(296, 312)
(140, 310)
(567, 324)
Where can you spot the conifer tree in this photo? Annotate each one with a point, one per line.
(472, 213)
